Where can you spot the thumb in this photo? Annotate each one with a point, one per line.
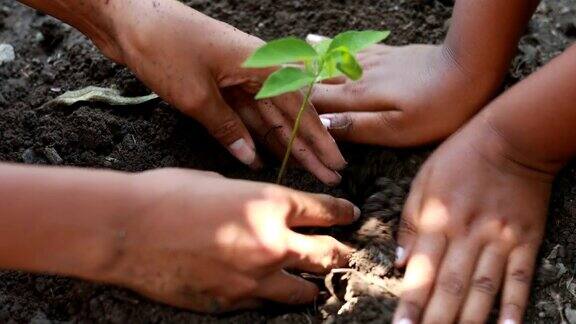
(375, 128)
(227, 127)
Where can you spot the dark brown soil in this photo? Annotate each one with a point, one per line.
(52, 58)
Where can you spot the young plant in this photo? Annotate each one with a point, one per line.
(304, 65)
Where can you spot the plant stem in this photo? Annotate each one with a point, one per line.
(294, 134)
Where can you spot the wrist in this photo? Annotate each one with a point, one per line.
(98, 249)
(119, 228)
(492, 143)
(174, 32)
(97, 20)
(481, 75)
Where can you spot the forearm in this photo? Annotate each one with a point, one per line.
(127, 31)
(537, 118)
(484, 34)
(94, 18)
(64, 221)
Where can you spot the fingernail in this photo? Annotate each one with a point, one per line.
(357, 213)
(326, 122)
(313, 38)
(404, 321)
(400, 253)
(336, 121)
(243, 152)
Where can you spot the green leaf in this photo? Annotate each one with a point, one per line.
(330, 68)
(322, 47)
(286, 80)
(281, 51)
(349, 66)
(340, 62)
(356, 41)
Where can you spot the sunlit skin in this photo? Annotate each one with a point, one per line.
(476, 214)
(474, 219)
(187, 238)
(188, 58)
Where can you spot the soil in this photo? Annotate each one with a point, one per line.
(52, 58)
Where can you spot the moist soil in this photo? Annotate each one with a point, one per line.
(52, 58)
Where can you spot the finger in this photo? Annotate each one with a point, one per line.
(312, 130)
(300, 151)
(453, 281)
(420, 277)
(351, 96)
(376, 128)
(227, 127)
(285, 288)
(517, 282)
(485, 285)
(335, 80)
(244, 104)
(320, 210)
(317, 254)
(407, 232)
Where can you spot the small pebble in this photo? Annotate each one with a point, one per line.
(6, 53)
(30, 157)
(53, 156)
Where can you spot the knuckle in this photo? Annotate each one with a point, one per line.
(521, 276)
(227, 130)
(452, 284)
(271, 254)
(485, 285)
(347, 123)
(396, 120)
(331, 204)
(194, 103)
(355, 88)
(407, 227)
(333, 256)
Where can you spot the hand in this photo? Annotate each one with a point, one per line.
(472, 225)
(187, 58)
(211, 244)
(408, 96)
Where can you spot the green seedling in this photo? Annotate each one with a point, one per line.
(303, 65)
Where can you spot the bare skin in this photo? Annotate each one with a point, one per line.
(420, 94)
(187, 238)
(475, 218)
(188, 58)
(476, 214)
